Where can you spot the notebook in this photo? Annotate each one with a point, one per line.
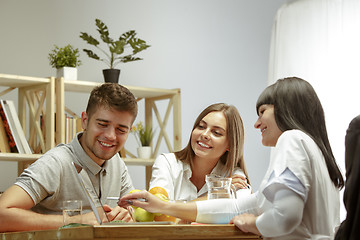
(99, 212)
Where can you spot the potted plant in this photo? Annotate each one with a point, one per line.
(118, 50)
(65, 60)
(144, 137)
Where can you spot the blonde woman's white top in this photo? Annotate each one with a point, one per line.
(174, 176)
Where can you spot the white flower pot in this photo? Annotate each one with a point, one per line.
(144, 152)
(68, 73)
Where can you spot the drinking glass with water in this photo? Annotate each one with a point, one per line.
(72, 208)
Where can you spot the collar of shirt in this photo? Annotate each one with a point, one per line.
(218, 169)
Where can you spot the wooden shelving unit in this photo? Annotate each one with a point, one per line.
(36, 96)
(45, 96)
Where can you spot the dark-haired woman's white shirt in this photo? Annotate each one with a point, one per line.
(296, 199)
(174, 176)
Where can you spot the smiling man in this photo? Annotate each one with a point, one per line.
(35, 200)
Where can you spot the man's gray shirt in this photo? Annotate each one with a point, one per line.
(52, 179)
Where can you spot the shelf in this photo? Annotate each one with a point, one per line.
(139, 161)
(21, 81)
(16, 157)
(140, 92)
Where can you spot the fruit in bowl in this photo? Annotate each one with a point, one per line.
(141, 215)
(159, 190)
(163, 195)
(164, 218)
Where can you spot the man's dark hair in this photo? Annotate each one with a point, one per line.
(112, 96)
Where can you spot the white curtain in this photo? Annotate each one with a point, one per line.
(319, 41)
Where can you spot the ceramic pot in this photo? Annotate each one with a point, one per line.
(68, 73)
(144, 152)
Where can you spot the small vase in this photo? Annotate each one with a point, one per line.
(68, 73)
(144, 152)
(111, 75)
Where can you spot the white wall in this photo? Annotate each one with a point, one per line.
(214, 50)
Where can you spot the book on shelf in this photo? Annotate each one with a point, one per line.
(72, 127)
(16, 130)
(9, 136)
(4, 141)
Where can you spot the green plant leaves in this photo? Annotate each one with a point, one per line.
(129, 58)
(116, 49)
(64, 57)
(91, 54)
(138, 45)
(89, 39)
(127, 35)
(144, 135)
(104, 32)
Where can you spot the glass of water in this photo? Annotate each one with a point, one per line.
(72, 210)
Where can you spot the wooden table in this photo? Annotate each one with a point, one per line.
(137, 232)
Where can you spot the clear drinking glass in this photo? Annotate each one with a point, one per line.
(72, 208)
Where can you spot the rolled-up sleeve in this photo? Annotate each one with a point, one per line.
(221, 211)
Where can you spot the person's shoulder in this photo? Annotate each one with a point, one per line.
(56, 157)
(57, 152)
(60, 148)
(170, 157)
(294, 134)
(295, 137)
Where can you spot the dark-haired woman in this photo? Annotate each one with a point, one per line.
(299, 195)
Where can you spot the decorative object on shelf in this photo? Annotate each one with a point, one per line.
(117, 53)
(111, 75)
(144, 152)
(65, 60)
(144, 137)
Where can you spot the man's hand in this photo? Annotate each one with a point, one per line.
(118, 213)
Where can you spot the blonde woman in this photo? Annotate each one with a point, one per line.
(216, 146)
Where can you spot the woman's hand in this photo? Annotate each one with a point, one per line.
(240, 182)
(143, 199)
(246, 223)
